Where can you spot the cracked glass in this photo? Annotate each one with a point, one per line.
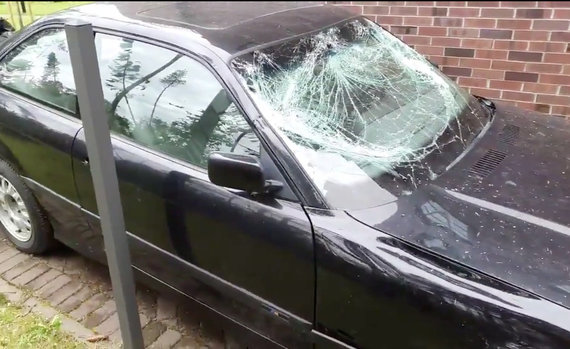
(366, 116)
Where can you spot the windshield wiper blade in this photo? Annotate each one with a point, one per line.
(489, 104)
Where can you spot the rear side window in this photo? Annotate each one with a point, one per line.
(40, 68)
(169, 102)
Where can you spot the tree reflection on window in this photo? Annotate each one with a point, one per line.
(40, 68)
(169, 102)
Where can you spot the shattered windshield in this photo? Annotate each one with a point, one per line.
(360, 110)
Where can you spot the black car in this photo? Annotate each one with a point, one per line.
(297, 172)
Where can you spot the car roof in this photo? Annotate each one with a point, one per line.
(232, 27)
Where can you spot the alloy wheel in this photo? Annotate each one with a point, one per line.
(14, 215)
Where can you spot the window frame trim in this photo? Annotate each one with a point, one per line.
(197, 59)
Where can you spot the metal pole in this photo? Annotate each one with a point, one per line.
(83, 54)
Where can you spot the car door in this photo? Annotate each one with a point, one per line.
(250, 258)
(38, 120)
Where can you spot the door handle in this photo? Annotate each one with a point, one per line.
(85, 161)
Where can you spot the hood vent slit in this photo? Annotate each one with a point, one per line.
(487, 163)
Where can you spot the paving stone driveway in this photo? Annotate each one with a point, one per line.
(81, 289)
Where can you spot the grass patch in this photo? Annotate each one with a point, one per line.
(20, 329)
(39, 8)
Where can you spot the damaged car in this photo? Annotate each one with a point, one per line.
(297, 173)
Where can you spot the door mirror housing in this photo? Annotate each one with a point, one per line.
(243, 172)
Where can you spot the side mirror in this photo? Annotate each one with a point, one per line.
(243, 172)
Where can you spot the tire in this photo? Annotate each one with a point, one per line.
(32, 235)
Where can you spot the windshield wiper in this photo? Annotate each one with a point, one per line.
(488, 104)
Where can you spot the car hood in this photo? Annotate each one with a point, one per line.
(504, 209)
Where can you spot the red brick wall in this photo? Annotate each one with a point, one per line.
(516, 51)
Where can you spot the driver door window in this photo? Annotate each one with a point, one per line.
(169, 102)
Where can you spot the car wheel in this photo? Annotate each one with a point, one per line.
(21, 217)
